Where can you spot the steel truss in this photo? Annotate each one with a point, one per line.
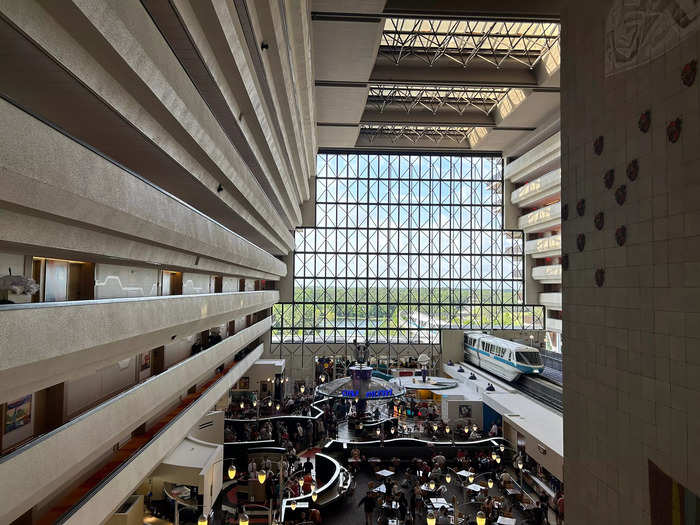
(410, 97)
(415, 132)
(464, 41)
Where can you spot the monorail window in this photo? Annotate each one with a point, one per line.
(528, 358)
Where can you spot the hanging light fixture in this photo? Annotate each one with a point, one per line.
(471, 478)
(243, 520)
(269, 402)
(480, 518)
(379, 431)
(202, 520)
(231, 471)
(520, 463)
(293, 504)
(502, 447)
(431, 518)
(302, 388)
(447, 429)
(466, 429)
(313, 486)
(490, 483)
(498, 459)
(255, 403)
(448, 478)
(475, 428)
(493, 455)
(322, 378)
(277, 406)
(435, 427)
(262, 476)
(241, 404)
(301, 482)
(269, 379)
(314, 496)
(286, 380)
(432, 484)
(393, 430)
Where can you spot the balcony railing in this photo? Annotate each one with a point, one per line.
(546, 188)
(51, 342)
(44, 464)
(551, 300)
(544, 219)
(544, 247)
(550, 274)
(540, 159)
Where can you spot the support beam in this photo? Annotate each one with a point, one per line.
(503, 10)
(442, 74)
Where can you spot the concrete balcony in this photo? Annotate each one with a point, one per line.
(551, 300)
(544, 219)
(544, 247)
(546, 188)
(540, 159)
(549, 274)
(70, 451)
(46, 343)
(554, 325)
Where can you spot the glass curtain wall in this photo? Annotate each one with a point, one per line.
(403, 246)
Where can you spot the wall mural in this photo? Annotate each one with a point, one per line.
(639, 31)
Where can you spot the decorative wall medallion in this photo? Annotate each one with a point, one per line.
(673, 130)
(581, 207)
(598, 145)
(565, 262)
(599, 277)
(621, 195)
(581, 241)
(633, 169)
(609, 178)
(599, 220)
(644, 121)
(564, 212)
(688, 73)
(621, 235)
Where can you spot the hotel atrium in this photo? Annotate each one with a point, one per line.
(396, 262)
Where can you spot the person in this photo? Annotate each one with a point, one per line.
(403, 506)
(369, 505)
(252, 468)
(308, 466)
(315, 516)
(494, 430)
(560, 508)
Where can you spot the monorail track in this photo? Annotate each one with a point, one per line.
(544, 391)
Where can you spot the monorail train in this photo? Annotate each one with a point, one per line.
(506, 359)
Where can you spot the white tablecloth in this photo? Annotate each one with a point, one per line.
(502, 520)
(385, 473)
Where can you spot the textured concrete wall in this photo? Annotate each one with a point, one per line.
(631, 364)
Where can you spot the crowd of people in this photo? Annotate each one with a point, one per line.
(427, 478)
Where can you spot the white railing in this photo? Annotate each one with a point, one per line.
(546, 218)
(550, 274)
(544, 247)
(540, 159)
(551, 300)
(546, 187)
